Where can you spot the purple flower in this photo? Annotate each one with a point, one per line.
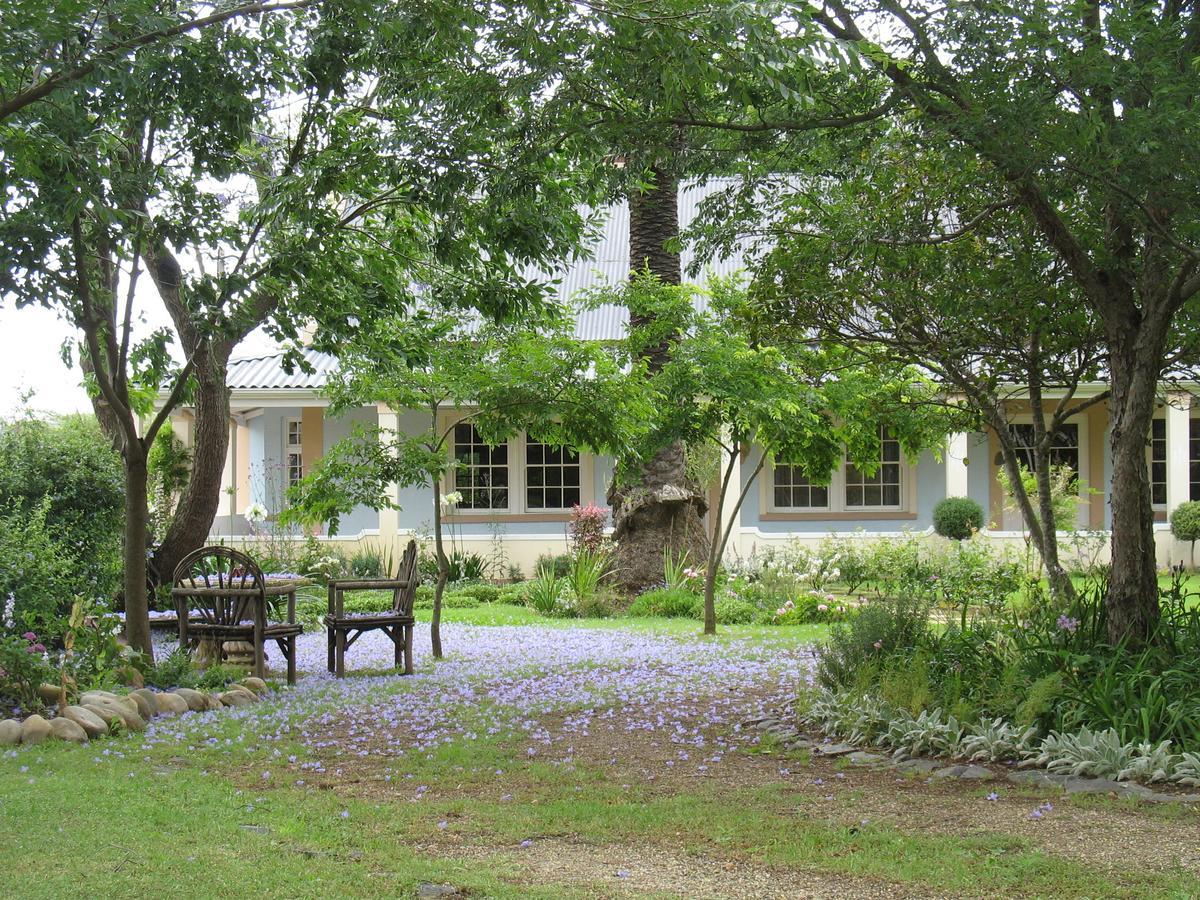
(1068, 624)
(993, 796)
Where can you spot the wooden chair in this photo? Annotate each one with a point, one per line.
(220, 596)
(343, 630)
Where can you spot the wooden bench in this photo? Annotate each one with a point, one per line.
(344, 629)
(221, 596)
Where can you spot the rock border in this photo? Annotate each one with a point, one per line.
(101, 713)
(793, 739)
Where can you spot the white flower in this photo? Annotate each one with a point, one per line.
(451, 500)
(256, 513)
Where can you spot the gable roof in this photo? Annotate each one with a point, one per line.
(604, 262)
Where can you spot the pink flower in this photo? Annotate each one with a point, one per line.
(821, 607)
(29, 636)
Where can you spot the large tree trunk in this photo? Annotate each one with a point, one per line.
(192, 521)
(137, 620)
(1132, 602)
(656, 508)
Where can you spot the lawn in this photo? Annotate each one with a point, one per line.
(547, 759)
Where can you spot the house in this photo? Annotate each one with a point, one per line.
(517, 497)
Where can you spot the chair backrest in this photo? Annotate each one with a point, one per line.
(403, 598)
(219, 584)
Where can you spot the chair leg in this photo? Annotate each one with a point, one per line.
(341, 654)
(329, 642)
(396, 633)
(291, 660)
(260, 657)
(408, 650)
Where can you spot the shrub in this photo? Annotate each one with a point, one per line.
(806, 609)
(367, 562)
(39, 575)
(586, 528)
(69, 464)
(732, 611)
(597, 606)
(957, 518)
(23, 668)
(513, 594)
(667, 603)
(858, 647)
(546, 593)
(588, 570)
(484, 593)
(1185, 524)
(558, 564)
(176, 669)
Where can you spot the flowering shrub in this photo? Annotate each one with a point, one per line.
(24, 666)
(809, 608)
(586, 528)
(38, 571)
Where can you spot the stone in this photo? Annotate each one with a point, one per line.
(67, 730)
(245, 690)
(170, 704)
(949, 772)
(10, 732)
(976, 773)
(34, 730)
(438, 890)
(236, 698)
(196, 701)
(921, 766)
(1094, 786)
(1037, 778)
(862, 758)
(128, 717)
(97, 696)
(151, 699)
(91, 723)
(49, 693)
(257, 685)
(146, 707)
(213, 701)
(833, 749)
(799, 744)
(130, 675)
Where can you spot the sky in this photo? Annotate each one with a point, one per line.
(30, 339)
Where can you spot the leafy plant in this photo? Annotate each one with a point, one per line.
(586, 528)
(545, 592)
(24, 667)
(589, 568)
(957, 518)
(678, 603)
(557, 563)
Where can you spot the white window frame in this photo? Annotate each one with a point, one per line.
(290, 449)
(523, 440)
(454, 473)
(517, 481)
(837, 494)
(1158, 417)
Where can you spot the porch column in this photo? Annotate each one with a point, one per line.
(389, 519)
(1178, 449)
(956, 465)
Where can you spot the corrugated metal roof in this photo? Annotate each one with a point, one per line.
(606, 262)
(266, 372)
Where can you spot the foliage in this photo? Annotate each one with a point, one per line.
(678, 575)
(24, 667)
(1185, 523)
(67, 466)
(885, 627)
(369, 562)
(558, 563)
(39, 574)
(732, 611)
(586, 528)
(957, 517)
(547, 593)
(589, 568)
(666, 602)
(168, 465)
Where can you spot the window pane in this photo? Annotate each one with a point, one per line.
(536, 498)
(891, 495)
(570, 497)
(783, 496)
(820, 496)
(854, 495)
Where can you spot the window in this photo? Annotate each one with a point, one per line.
(551, 476)
(888, 490)
(1158, 462)
(1064, 449)
(293, 452)
(882, 489)
(481, 472)
(1194, 459)
(794, 491)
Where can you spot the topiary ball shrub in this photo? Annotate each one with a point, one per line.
(957, 518)
(1185, 524)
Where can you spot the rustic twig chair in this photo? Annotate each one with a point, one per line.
(344, 629)
(220, 595)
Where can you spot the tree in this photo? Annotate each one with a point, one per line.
(724, 383)
(879, 261)
(259, 174)
(499, 378)
(608, 92)
(1082, 117)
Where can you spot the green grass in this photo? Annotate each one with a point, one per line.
(159, 822)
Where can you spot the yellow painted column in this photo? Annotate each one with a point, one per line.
(389, 519)
(312, 435)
